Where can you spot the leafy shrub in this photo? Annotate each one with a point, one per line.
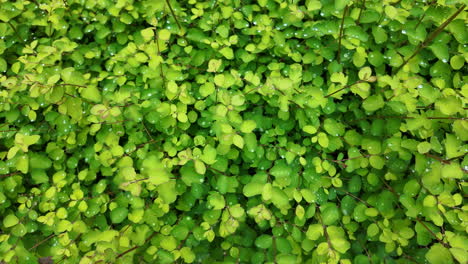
(229, 131)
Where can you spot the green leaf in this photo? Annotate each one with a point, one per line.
(53, 79)
(330, 215)
(372, 230)
(168, 243)
(164, 34)
(91, 93)
(248, 126)
(459, 254)
(236, 211)
(227, 53)
(238, 141)
(314, 232)
(373, 103)
(10, 220)
(216, 201)
(441, 51)
(24, 141)
(333, 128)
(281, 170)
(452, 146)
(377, 162)
(340, 244)
(155, 170)
(371, 212)
(252, 189)
(200, 167)
(207, 89)
(452, 171)
(279, 198)
(237, 100)
(214, 65)
(3, 65)
(283, 245)
(391, 11)
(438, 254)
(187, 254)
(300, 212)
(12, 152)
(424, 147)
(309, 129)
(264, 241)
(219, 80)
(457, 62)
(323, 139)
(108, 235)
(118, 215)
(339, 77)
(209, 155)
(341, 4)
(449, 105)
(313, 5)
(19, 230)
(365, 73)
(167, 191)
(22, 163)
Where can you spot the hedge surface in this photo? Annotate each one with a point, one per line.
(229, 131)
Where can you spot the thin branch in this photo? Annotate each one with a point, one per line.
(419, 21)
(325, 232)
(341, 34)
(127, 251)
(16, 31)
(441, 160)
(274, 249)
(432, 233)
(42, 241)
(363, 6)
(431, 37)
(159, 54)
(69, 84)
(216, 170)
(173, 14)
(409, 117)
(141, 146)
(147, 131)
(253, 89)
(111, 123)
(9, 174)
(134, 181)
(410, 258)
(341, 89)
(357, 198)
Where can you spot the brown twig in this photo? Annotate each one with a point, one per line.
(70, 84)
(409, 117)
(173, 14)
(431, 37)
(441, 160)
(42, 241)
(16, 31)
(341, 89)
(338, 54)
(141, 146)
(432, 233)
(9, 174)
(363, 6)
(357, 198)
(325, 232)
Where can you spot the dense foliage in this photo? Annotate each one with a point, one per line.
(229, 131)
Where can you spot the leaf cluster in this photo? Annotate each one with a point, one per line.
(229, 131)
